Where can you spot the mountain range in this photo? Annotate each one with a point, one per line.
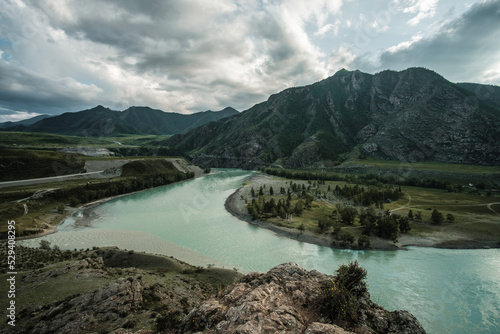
(412, 115)
(102, 122)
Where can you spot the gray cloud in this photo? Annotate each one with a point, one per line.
(463, 49)
(193, 55)
(21, 89)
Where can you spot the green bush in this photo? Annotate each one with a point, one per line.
(341, 295)
(436, 217)
(44, 244)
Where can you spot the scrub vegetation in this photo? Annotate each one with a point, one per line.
(360, 210)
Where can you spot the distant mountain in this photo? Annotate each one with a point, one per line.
(412, 115)
(24, 123)
(102, 122)
(151, 121)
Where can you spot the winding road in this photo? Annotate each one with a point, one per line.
(50, 179)
(489, 207)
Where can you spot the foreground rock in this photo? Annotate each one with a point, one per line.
(287, 299)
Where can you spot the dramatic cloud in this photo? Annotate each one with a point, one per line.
(465, 49)
(193, 55)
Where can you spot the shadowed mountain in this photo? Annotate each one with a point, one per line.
(412, 115)
(23, 123)
(101, 122)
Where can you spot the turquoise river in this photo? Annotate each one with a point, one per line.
(449, 291)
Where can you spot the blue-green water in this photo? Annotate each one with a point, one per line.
(449, 291)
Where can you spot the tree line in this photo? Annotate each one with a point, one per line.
(95, 191)
(368, 179)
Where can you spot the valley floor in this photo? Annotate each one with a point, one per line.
(484, 232)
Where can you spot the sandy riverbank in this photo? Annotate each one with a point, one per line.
(235, 204)
(58, 218)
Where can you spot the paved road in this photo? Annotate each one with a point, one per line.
(102, 169)
(50, 179)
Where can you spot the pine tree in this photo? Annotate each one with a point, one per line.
(437, 217)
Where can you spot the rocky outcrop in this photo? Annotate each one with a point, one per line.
(287, 299)
(126, 300)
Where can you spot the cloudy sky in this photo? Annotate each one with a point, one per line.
(193, 55)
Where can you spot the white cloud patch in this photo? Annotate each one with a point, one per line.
(343, 57)
(327, 28)
(7, 115)
(423, 9)
(492, 74)
(404, 45)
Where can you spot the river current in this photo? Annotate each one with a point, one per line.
(449, 291)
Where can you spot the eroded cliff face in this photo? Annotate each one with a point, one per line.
(412, 115)
(287, 299)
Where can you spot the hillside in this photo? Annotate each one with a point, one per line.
(104, 122)
(412, 115)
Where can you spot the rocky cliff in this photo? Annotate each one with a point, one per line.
(412, 115)
(287, 299)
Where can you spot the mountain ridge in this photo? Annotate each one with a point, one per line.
(411, 115)
(101, 121)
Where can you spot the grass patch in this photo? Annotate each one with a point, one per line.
(216, 277)
(30, 164)
(47, 141)
(126, 259)
(35, 140)
(43, 291)
(426, 165)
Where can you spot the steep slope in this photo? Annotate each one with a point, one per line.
(412, 115)
(102, 122)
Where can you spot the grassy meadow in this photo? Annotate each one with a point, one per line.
(474, 215)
